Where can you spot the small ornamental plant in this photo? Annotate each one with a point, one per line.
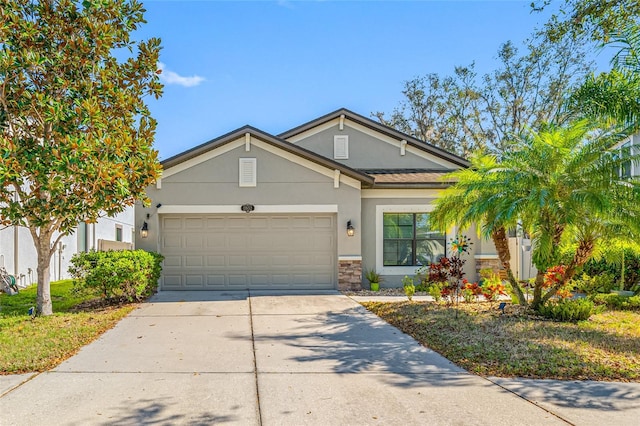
(435, 290)
(471, 291)
(409, 287)
(553, 276)
(492, 286)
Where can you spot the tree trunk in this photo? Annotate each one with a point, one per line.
(583, 253)
(43, 300)
(537, 290)
(501, 242)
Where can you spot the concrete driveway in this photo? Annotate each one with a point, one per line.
(266, 359)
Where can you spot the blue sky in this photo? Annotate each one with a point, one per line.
(278, 64)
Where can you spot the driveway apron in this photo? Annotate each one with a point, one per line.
(262, 358)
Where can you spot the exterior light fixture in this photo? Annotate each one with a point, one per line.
(144, 231)
(350, 229)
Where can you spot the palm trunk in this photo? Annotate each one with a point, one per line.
(501, 242)
(583, 253)
(537, 290)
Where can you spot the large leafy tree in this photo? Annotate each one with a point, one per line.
(464, 112)
(589, 20)
(561, 184)
(76, 136)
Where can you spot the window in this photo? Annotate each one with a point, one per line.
(409, 241)
(118, 232)
(248, 172)
(341, 147)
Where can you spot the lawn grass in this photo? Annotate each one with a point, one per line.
(479, 339)
(38, 344)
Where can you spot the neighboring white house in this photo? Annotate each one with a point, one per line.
(18, 254)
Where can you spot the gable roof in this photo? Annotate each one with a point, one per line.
(388, 131)
(272, 140)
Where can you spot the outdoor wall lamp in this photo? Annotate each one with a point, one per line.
(144, 231)
(350, 229)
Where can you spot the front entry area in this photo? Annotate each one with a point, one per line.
(248, 251)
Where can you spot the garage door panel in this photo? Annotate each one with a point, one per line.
(249, 251)
(193, 241)
(171, 223)
(323, 222)
(172, 280)
(260, 260)
(219, 260)
(237, 280)
(322, 243)
(193, 223)
(194, 280)
(258, 223)
(194, 261)
(172, 261)
(215, 223)
(235, 242)
(238, 261)
(172, 241)
(215, 240)
(215, 281)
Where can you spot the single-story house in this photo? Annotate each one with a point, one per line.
(311, 208)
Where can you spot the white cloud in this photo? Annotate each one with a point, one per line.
(171, 77)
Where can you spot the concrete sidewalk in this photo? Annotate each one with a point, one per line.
(287, 359)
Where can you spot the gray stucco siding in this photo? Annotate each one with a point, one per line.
(367, 152)
(280, 182)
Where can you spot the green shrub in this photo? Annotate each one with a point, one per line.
(435, 290)
(618, 302)
(602, 283)
(409, 287)
(422, 287)
(132, 275)
(631, 268)
(568, 309)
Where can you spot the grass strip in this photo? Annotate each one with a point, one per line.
(38, 344)
(478, 338)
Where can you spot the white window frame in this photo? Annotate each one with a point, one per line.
(253, 164)
(337, 141)
(119, 228)
(405, 208)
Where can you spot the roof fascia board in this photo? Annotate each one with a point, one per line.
(401, 193)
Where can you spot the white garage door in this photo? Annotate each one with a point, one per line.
(248, 251)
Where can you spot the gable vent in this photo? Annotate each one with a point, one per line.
(248, 172)
(341, 147)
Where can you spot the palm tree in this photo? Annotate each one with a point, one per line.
(560, 183)
(614, 96)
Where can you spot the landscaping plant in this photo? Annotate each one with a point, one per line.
(568, 309)
(409, 287)
(132, 275)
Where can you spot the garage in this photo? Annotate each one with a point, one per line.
(248, 251)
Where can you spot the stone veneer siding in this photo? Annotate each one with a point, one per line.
(493, 264)
(349, 275)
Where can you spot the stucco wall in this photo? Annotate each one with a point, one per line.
(280, 181)
(368, 152)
